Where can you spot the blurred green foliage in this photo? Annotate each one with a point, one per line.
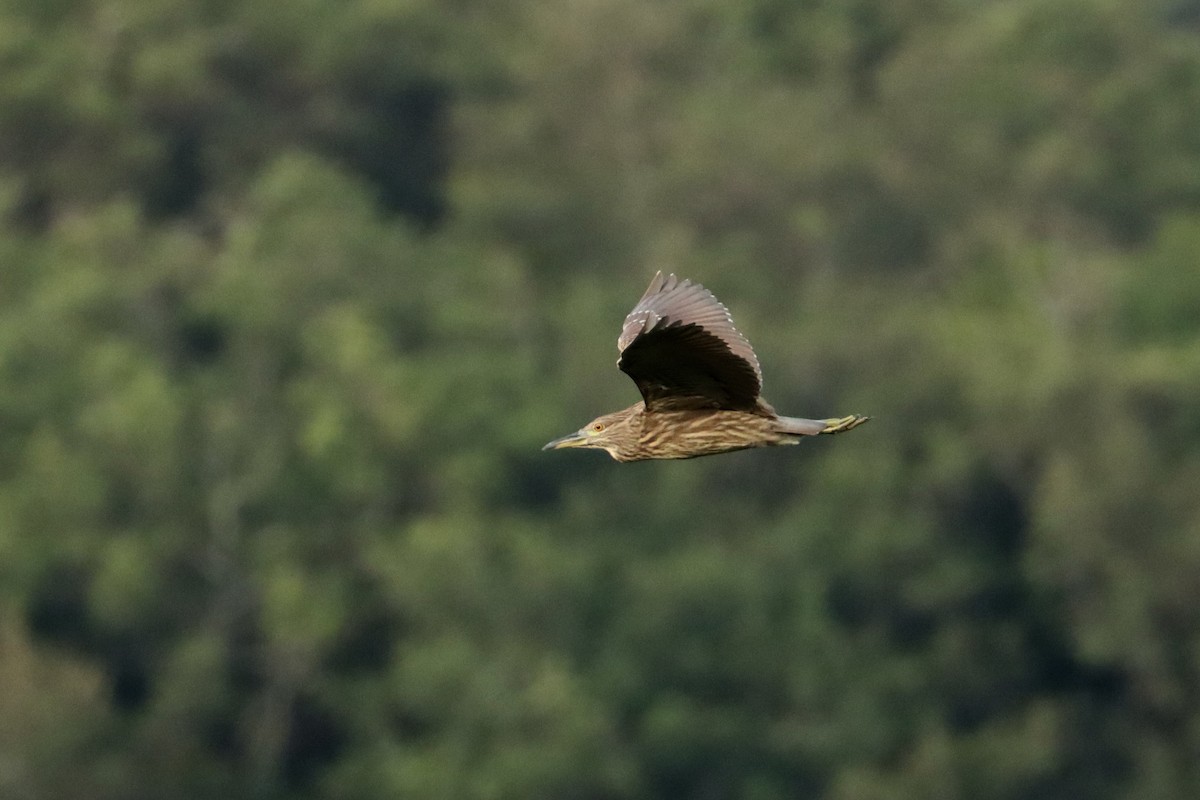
(292, 294)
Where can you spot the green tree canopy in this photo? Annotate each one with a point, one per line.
(293, 293)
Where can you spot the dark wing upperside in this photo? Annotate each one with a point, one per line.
(681, 349)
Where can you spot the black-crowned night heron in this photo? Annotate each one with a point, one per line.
(700, 383)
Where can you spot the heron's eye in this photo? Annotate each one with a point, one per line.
(597, 427)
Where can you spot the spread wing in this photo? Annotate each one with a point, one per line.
(681, 349)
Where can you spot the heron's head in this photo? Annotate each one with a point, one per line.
(611, 432)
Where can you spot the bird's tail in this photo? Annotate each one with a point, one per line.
(798, 426)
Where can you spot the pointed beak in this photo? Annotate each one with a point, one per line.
(576, 439)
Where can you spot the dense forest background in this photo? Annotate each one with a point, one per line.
(293, 292)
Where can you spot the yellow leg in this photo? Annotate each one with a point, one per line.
(844, 423)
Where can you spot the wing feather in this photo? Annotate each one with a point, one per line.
(681, 349)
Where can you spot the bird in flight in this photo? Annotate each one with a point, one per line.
(700, 384)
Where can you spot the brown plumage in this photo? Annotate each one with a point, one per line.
(700, 383)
